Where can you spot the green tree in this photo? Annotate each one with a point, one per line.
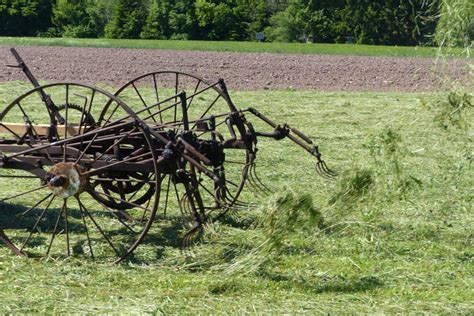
(153, 26)
(252, 16)
(231, 19)
(316, 20)
(274, 6)
(183, 21)
(215, 18)
(399, 22)
(284, 27)
(127, 20)
(100, 14)
(395, 22)
(24, 17)
(71, 18)
(174, 19)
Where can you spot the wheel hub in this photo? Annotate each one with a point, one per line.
(65, 179)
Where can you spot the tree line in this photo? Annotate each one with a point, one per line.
(390, 22)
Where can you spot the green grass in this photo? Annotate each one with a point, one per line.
(244, 47)
(395, 233)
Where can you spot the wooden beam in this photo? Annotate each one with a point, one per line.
(41, 129)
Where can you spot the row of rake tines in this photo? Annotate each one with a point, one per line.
(230, 202)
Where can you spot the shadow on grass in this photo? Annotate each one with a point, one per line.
(14, 216)
(18, 222)
(18, 217)
(236, 221)
(334, 284)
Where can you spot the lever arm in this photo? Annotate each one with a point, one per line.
(52, 108)
(285, 131)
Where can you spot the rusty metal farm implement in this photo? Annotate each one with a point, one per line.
(86, 173)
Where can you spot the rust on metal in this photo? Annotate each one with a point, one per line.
(195, 146)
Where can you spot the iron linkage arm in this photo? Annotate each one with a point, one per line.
(285, 131)
(51, 107)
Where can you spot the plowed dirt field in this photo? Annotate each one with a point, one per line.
(242, 71)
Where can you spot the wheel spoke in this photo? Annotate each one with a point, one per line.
(66, 228)
(34, 206)
(83, 113)
(37, 223)
(157, 96)
(179, 200)
(114, 214)
(206, 189)
(34, 132)
(120, 189)
(86, 149)
(98, 227)
(10, 130)
(121, 180)
(208, 109)
(53, 236)
(116, 143)
(167, 195)
(124, 201)
(194, 93)
(87, 231)
(146, 207)
(17, 177)
(135, 193)
(228, 181)
(66, 123)
(117, 106)
(93, 171)
(23, 193)
(143, 101)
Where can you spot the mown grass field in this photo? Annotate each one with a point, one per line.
(393, 234)
(243, 47)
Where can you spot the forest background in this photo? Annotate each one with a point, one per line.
(402, 22)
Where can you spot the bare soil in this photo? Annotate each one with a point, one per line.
(241, 71)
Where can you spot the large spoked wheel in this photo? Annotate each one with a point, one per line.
(123, 181)
(156, 98)
(67, 178)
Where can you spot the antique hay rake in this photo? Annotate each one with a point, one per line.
(87, 170)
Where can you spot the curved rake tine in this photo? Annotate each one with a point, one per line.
(237, 204)
(192, 235)
(243, 205)
(219, 194)
(328, 170)
(260, 181)
(220, 215)
(251, 181)
(255, 181)
(184, 207)
(252, 185)
(123, 215)
(224, 198)
(255, 187)
(323, 170)
(233, 202)
(248, 179)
